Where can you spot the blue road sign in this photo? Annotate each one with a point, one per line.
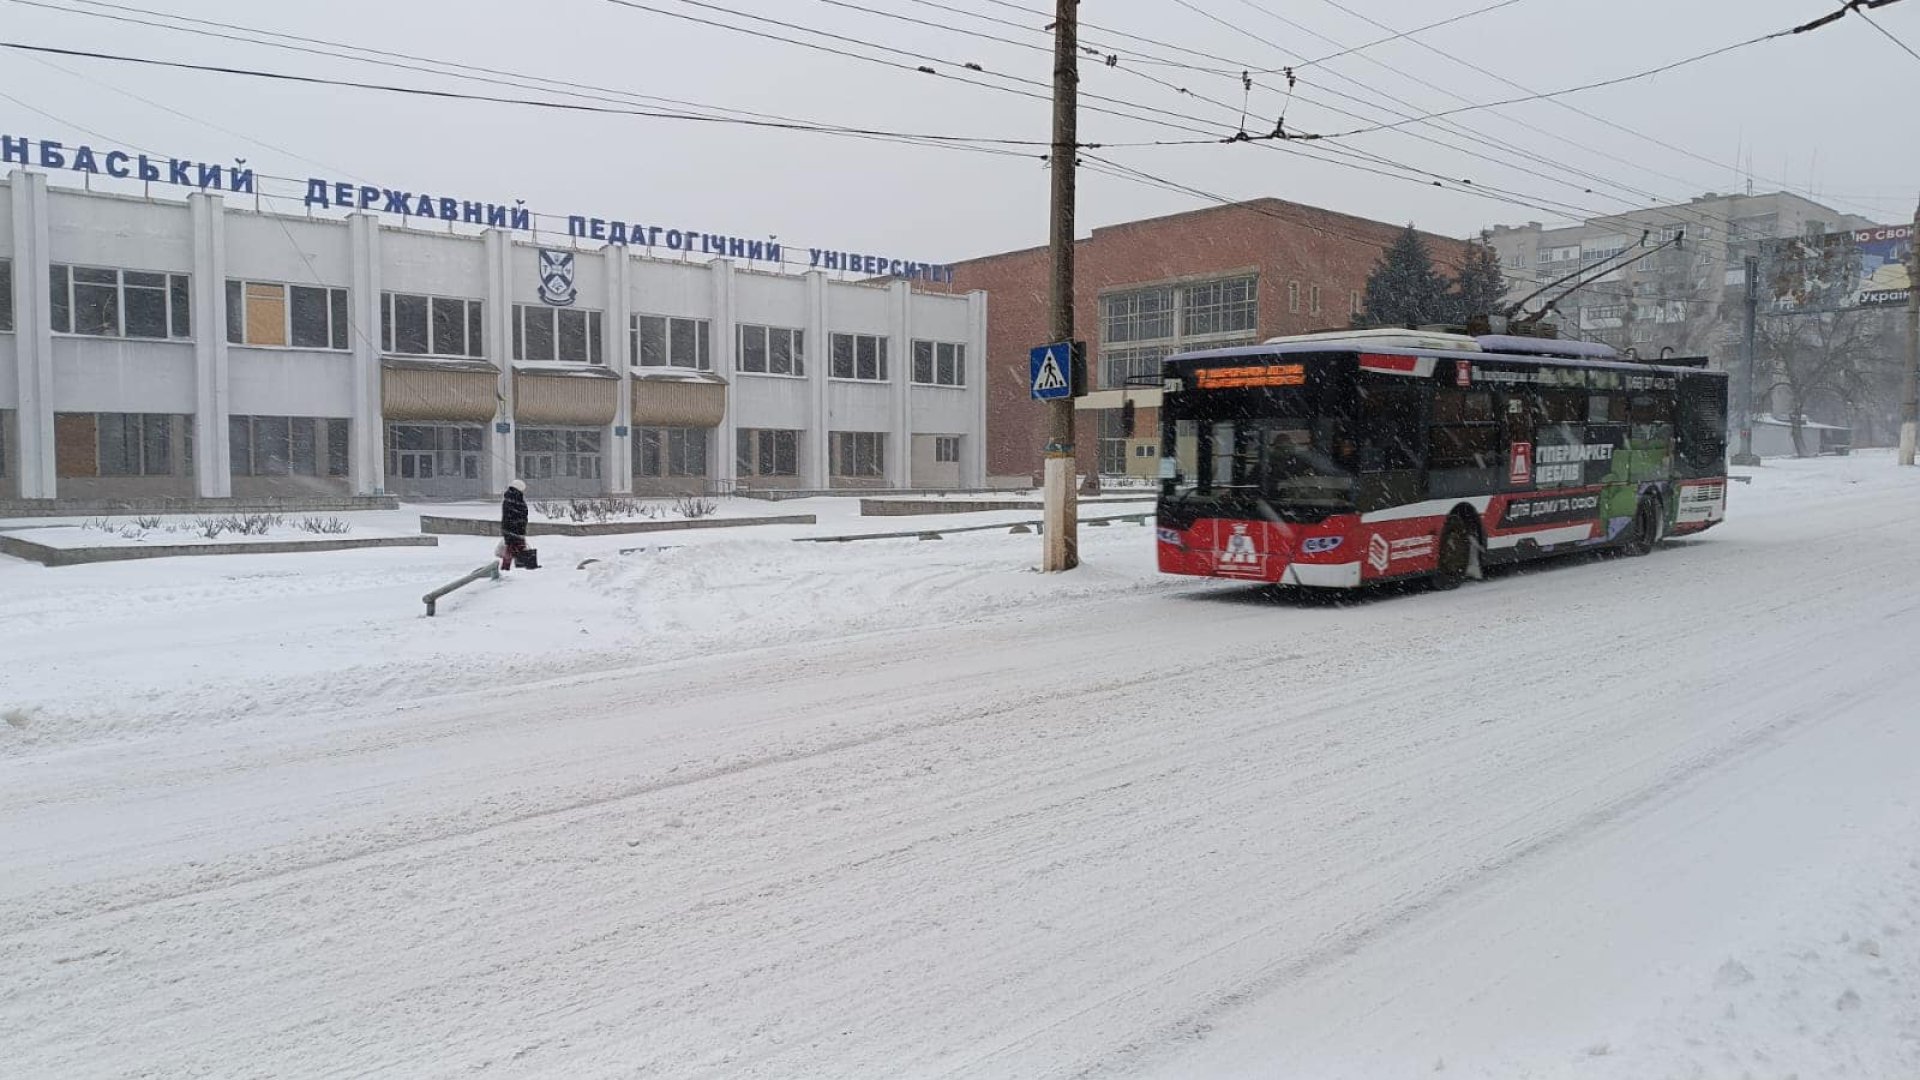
(1052, 368)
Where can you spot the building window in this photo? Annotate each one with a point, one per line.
(119, 303)
(772, 350)
(1146, 450)
(122, 444)
(859, 356)
(1141, 315)
(287, 445)
(564, 335)
(1155, 322)
(1293, 297)
(660, 341)
(414, 325)
(1313, 299)
(6, 294)
(939, 363)
(670, 452)
(1353, 303)
(135, 444)
(306, 317)
(766, 452)
(1218, 307)
(567, 453)
(1119, 366)
(859, 454)
(1113, 443)
(427, 451)
(946, 449)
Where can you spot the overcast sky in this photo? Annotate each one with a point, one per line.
(1816, 112)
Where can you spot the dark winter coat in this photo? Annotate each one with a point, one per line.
(513, 515)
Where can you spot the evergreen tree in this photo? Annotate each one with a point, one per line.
(1404, 289)
(1480, 288)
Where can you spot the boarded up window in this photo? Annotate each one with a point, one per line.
(76, 444)
(266, 314)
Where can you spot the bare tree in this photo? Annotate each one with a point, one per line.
(1830, 353)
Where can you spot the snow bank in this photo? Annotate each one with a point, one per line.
(118, 650)
(746, 593)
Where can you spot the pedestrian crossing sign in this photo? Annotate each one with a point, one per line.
(1052, 368)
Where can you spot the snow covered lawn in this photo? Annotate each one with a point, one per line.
(173, 530)
(733, 806)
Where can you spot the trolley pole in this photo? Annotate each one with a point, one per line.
(1910, 402)
(1061, 516)
(1746, 456)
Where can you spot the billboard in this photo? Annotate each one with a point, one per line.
(1884, 252)
(1860, 268)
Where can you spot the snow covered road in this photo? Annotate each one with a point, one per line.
(1604, 819)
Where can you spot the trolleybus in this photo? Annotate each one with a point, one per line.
(1337, 460)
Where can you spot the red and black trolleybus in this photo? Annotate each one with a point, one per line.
(1337, 460)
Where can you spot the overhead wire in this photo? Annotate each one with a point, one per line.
(1560, 206)
(1538, 202)
(564, 106)
(1456, 58)
(537, 217)
(1465, 185)
(1598, 84)
(1888, 34)
(961, 142)
(400, 60)
(1477, 135)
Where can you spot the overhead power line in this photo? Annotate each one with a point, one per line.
(1562, 169)
(467, 72)
(1875, 23)
(1388, 167)
(1615, 81)
(1238, 66)
(565, 106)
(1399, 34)
(1456, 59)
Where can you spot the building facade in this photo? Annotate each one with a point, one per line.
(1687, 298)
(158, 350)
(1229, 275)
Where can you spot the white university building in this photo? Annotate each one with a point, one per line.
(157, 349)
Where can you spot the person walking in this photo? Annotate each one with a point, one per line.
(513, 524)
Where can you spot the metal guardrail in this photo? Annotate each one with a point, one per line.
(491, 570)
(1035, 526)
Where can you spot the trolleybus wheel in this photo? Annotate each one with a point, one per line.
(1456, 553)
(1648, 528)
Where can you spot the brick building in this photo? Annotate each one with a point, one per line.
(1228, 275)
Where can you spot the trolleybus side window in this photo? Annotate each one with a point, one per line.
(1464, 454)
(1606, 407)
(1391, 442)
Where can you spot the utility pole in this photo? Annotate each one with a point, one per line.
(1910, 407)
(1061, 526)
(1746, 455)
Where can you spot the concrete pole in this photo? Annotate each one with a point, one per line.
(1746, 455)
(1910, 401)
(1061, 539)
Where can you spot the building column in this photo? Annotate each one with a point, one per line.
(367, 463)
(900, 382)
(212, 450)
(499, 466)
(33, 337)
(973, 460)
(813, 442)
(725, 471)
(621, 438)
